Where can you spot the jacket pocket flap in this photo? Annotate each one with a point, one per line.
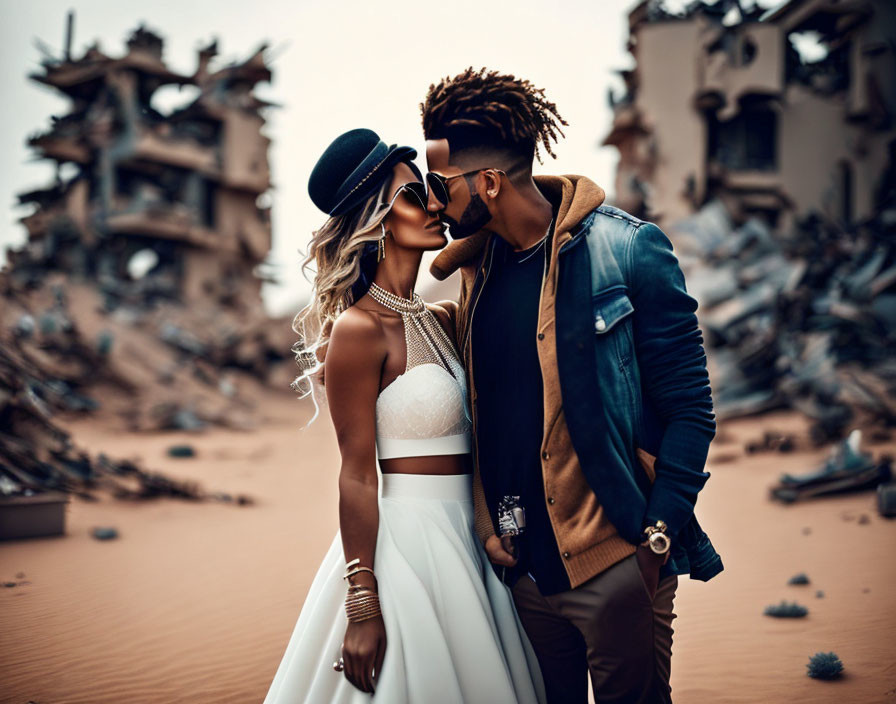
(609, 308)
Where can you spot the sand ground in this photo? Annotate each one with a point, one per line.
(195, 602)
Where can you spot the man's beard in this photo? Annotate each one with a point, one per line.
(472, 220)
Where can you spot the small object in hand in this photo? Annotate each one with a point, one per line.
(824, 666)
(339, 665)
(511, 516)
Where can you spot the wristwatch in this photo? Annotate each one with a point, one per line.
(656, 538)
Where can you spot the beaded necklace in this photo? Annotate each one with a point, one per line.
(426, 339)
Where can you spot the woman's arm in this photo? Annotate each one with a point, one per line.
(355, 356)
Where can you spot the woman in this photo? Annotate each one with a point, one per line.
(405, 602)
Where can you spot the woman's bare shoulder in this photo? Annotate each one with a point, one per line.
(359, 333)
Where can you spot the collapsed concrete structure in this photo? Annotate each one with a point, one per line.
(174, 196)
(775, 177)
(721, 104)
(137, 295)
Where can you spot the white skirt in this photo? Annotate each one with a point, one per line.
(452, 632)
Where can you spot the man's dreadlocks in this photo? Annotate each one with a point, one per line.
(487, 109)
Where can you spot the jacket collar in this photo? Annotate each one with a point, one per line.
(573, 197)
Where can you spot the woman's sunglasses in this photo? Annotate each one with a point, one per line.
(438, 184)
(415, 193)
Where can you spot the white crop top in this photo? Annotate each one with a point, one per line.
(424, 410)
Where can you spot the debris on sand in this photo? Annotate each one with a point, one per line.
(786, 610)
(104, 533)
(824, 666)
(181, 451)
(847, 469)
(886, 499)
(37, 455)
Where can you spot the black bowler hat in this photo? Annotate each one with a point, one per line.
(352, 168)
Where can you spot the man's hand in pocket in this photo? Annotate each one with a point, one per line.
(649, 563)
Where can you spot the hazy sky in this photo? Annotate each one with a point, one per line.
(337, 65)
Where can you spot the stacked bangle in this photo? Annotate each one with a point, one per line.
(361, 603)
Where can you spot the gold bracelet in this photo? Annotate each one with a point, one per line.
(371, 610)
(360, 601)
(367, 611)
(351, 573)
(362, 614)
(360, 596)
(361, 604)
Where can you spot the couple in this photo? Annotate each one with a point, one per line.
(519, 469)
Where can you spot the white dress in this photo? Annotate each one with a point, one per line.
(452, 633)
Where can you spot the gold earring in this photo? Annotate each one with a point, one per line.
(381, 245)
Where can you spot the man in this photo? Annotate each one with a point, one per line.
(587, 382)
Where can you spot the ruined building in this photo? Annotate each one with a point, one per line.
(721, 104)
(155, 205)
(138, 291)
(137, 296)
(774, 173)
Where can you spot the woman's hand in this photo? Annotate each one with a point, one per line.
(363, 651)
(500, 550)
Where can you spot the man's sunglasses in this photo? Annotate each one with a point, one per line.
(416, 194)
(438, 184)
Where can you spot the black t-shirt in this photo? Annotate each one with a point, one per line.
(510, 404)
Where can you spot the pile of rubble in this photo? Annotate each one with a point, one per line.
(36, 455)
(137, 295)
(804, 320)
(165, 367)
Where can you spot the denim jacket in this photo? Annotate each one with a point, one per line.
(641, 387)
(644, 382)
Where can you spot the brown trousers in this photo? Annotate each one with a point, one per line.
(608, 626)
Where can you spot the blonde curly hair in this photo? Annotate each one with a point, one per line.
(343, 252)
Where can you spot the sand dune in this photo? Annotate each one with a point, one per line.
(195, 602)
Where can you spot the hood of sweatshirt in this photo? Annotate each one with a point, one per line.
(571, 196)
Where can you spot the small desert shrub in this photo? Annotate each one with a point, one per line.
(786, 610)
(824, 666)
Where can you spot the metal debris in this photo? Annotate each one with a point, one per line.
(37, 455)
(847, 469)
(789, 248)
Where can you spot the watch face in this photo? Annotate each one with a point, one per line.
(659, 543)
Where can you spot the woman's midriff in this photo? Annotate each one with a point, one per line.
(431, 464)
